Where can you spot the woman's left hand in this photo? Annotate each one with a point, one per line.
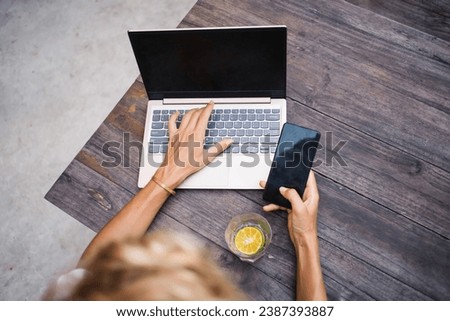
(185, 153)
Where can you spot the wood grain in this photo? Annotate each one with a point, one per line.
(372, 81)
(358, 69)
(431, 17)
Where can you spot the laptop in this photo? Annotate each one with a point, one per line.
(241, 69)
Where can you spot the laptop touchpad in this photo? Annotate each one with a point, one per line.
(214, 175)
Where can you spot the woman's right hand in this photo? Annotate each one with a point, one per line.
(302, 218)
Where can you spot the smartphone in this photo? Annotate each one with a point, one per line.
(292, 162)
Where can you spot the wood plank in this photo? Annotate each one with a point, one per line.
(79, 180)
(432, 17)
(366, 71)
(385, 281)
(73, 192)
(256, 284)
(386, 241)
(118, 176)
(379, 171)
(124, 127)
(424, 188)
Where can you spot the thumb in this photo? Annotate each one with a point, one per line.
(292, 196)
(218, 148)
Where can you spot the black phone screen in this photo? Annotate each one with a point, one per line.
(292, 162)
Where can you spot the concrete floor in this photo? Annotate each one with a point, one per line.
(63, 67)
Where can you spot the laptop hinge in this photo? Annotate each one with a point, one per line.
(246, 100)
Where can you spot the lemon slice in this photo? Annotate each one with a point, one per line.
(249, 240)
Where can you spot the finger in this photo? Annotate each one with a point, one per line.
(218, 148)
(206, 113)
(172, 125)
(311, 189)
(262, 184)
(193, 121)
(271, 207)
(186, 119)
(291, 195)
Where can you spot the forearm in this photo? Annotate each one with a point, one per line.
(132, 221)
(310, 285)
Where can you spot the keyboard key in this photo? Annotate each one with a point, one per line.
(251, 117)
(229, 125)
(264, 149)
(216, 117)
(234, 117)
(211, 125)
(247, 125)
(240, 132)
(251, 111)
(254, 140)
(245, 140)
(249, 132)
(227, 111)
(274, 125)
(213, 132)
(259, 111)
(223, 132)
(224, 117)
(237, 124)
(158, 132)
(264, 124)
(231, 132)
(164, 111)
(235, 111)
(249, 148)
(235, 149)
(219, 111)
(242, 111)
(164, 117)
(153, 148)
(255, 124)
(273, 117)
(275, 111)
(266, 111)
(258, 132)
(208, 140)
(157, 112)
(157, 125)
(236, 140)
(172, 111)
(159, 140)
(219, 125)
(260, 117)
(274, 132)
(269, 140)
(242, 117)
(163, 149)
(156, 118)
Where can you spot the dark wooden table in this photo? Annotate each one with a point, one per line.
(374, 78)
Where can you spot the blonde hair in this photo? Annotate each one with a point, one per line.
(157, 267)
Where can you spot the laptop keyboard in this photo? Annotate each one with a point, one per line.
(253, 130)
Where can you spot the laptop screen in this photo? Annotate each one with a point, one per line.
(204, 63)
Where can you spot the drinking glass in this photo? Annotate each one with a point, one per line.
(248, 236)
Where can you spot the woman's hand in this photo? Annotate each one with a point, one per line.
(185, 154)
(302, 219)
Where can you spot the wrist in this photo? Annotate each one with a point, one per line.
(169, 176)
(305, 241)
